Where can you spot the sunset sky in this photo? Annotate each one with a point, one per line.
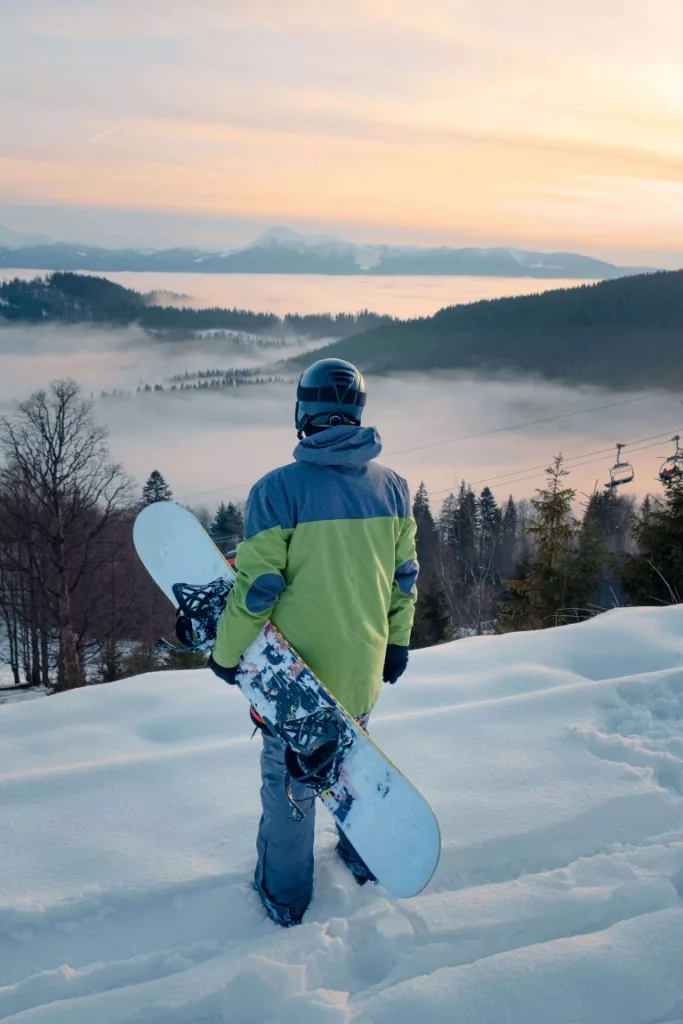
(536, 123)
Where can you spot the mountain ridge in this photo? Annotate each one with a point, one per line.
(283, 251)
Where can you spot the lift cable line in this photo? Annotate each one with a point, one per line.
(568, 459)
(511, 476)
(475, 436)
(588, 462)
(512, 479)
(532, 423)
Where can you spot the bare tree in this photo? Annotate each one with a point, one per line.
(60, 494)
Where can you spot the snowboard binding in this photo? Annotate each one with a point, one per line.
(315, 748)
(199, 610)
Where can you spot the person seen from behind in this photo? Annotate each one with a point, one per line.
(329, 556)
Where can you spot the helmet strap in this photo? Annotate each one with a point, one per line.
(301, 432)
(336, 420)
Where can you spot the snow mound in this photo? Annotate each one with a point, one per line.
(553, 760)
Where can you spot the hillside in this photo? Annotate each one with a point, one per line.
(623, 333)
(554, 762)
(84, 298)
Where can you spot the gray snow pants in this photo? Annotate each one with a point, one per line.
(284, 871)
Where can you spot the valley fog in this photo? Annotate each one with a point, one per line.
(403, 297)
(211, 445)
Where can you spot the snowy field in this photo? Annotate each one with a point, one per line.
(554, 762)
(16, 694)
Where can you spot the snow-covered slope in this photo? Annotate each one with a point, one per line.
(555, 764)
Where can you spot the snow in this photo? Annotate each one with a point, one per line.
(16, 694)
(296, 240)
(553, 760)
(9, 693)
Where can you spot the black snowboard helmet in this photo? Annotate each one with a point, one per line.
(330, 392)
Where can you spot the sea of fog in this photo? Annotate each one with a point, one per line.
(212, 446)
(310, 293)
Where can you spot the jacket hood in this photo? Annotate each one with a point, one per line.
(351, 447)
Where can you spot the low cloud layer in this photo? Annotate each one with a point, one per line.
(212, 446)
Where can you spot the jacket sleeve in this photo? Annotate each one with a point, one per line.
(404, 590)
(260, 564)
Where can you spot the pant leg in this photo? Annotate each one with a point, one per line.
(284, 871)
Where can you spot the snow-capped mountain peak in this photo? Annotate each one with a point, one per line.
(286, 238)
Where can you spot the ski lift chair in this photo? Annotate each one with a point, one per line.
(672, 468)
(621, 472)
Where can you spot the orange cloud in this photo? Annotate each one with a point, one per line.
(530, 121)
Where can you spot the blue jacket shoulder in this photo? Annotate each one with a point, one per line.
(270, 501)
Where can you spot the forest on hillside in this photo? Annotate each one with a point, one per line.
(621, 334)
(77, 608)
(626, 333)
(83, 298)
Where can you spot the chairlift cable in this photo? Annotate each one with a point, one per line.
(513, 479)
(532, 423)
(570, 458)
(472, 437)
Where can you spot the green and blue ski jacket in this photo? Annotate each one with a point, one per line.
(329, 556)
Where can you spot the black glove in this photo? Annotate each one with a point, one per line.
(228, 675)
(395, 663)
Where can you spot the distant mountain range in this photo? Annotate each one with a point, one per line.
(282, 251)
(17, 240)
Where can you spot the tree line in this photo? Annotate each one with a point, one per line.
(595, 333)
(77, 607)
(540, 563)
(76, 604)
(85, 298)
(222, 380)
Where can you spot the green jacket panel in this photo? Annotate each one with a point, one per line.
(337, 580)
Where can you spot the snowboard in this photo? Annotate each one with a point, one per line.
(384, 816)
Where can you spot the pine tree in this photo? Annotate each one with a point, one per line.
(432, 623)
(646, 508)
(227, 529)
(426, 537)
(459, 528)
(156, 489)
(447, 521)
(554, 583)
(468, 526)
(508, 539)
(655, 574)
(490, 522)
(610, 516)
(459, 531)
(590, 562)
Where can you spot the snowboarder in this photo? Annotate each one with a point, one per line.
(329, 556)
